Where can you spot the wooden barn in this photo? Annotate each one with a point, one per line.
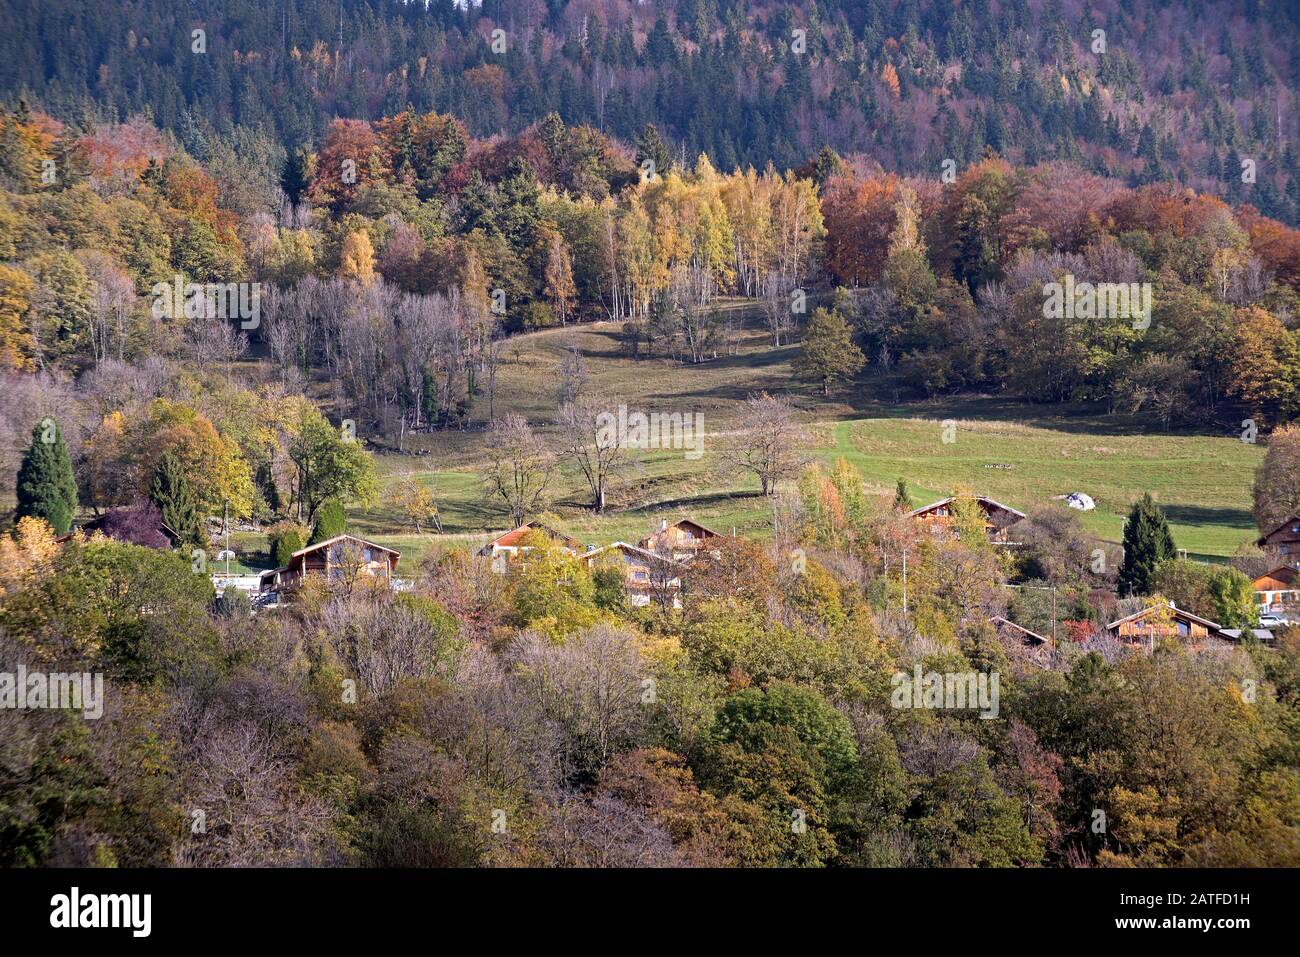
(341, 558)
(1285, 539)
(938, 517)
(682, 539)
(1167, 620)
(509, 546)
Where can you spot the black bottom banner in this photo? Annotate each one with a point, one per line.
(335, 906)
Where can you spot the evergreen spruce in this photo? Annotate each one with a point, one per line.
(902, 500)
(172, 493)
(46, 486)
(1147, 543)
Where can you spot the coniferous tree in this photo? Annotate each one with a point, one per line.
(172, 493)
(331, 521)
(1147, 543)
(902, 500)
(46, 486)
(298, 170)
(650, 146)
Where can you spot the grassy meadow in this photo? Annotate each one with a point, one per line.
(1019, 454)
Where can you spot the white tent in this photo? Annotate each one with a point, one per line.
(1079, 500)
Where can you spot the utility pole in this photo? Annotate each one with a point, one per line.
(225, 522)
(1053, 618)
(905, 582)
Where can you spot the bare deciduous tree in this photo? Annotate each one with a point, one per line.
(519, 467)
(590, 687)
(770, 441)
(382, 642)
(778, 308)
(598, 451)
(573, 375)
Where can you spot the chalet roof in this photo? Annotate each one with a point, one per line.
(339, 538)
(635, 550)
(1293, 519)
(512, 538)
(681, 523)
(999, 620)
(1259, 634)
(982, 499)
(1283, 575)
(694, 524)
(1178, 613)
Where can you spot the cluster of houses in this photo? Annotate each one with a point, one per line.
(654, 568)
(1277, 592)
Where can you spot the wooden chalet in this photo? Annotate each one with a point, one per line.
(509, 546)
(648, 576)
(938, 517)
(1279, 589)
(343, 557)
(1161, 621)
(682, 540)
(1285, 539)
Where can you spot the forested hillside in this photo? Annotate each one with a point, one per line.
(394, 256)
(1181, 91)
(983, 322)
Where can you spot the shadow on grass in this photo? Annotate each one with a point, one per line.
(694, 501)
(880, 397)
(1205, 515)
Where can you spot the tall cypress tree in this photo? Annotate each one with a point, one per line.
(46, 486)
(1147, 543)
(172, 493)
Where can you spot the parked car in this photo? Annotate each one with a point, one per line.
(1271, 621)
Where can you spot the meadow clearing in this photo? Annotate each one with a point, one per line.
(1022, 455)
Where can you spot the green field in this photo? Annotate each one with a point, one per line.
(1020, 455)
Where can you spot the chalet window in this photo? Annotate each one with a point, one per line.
(1183, 630)
(367, 554)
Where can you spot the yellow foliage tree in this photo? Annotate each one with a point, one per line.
(16, 348)
(357, 259)
(28, 554)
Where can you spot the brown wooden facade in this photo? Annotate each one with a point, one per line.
(1160, 622)
(939, 517)
(681, 540)
(1279, 589)
(343, 557)
(1285, 539)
